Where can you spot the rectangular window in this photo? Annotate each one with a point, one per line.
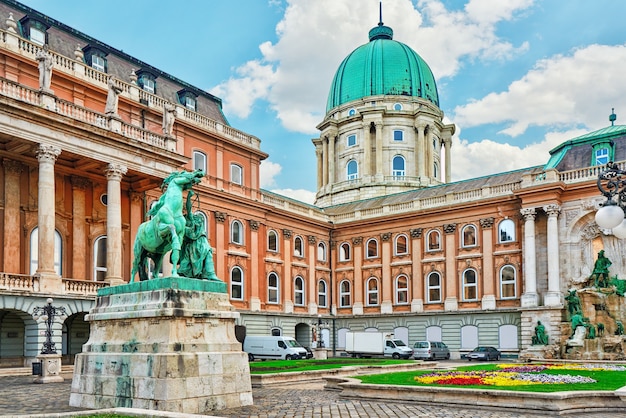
(97, 63)
(148, 85)
(398, 135)
(190, 103)
(351, 140)
(602, 156)
(37, 36)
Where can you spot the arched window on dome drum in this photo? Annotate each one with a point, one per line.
(435, 170)
(398, 166)
(352, 170)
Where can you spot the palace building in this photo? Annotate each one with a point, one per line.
(88, 133)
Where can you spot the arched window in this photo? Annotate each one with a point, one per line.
(100, 258)
(199, 161)
(433, 287)
(298, 247)
(276, 332)
(236, 174)
(434, 240)
(433, 333)
(272, 241)
(470, 285)
(401, 245)
(236, 232)
(298, 291)
(205, 219)
(236, 283)
(344, 294)
(506, 231)
(344, 252)
(352, 170)
(508, 282)
(372, 248)
(398, 166)
(435, 170)
(372, 291)
(469, 336)
(508, 337)
(321, 251)
(468, 236)
(58, 252)
(322, 300)
(273, 293)
(402, 289)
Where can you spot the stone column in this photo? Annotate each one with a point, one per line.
(428, 153)
(387, 296)
(417, 283)
(331, 161)
(79, 227)
(114, 174)
(451, 302)
(367, 150)
(489, 288)
(419, 150)
(319, 154)
(325, 161)
(530, 297)
(46, 155)
(448, 144)
(357, 254)
(553, 297)
(12, 218)
(255, 300)
(379, 151)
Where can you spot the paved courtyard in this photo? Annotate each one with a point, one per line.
(20, 397)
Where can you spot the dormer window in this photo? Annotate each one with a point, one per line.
(188, 99)
(602, 154)
(34, 30)
(147, 81)
(96, 58)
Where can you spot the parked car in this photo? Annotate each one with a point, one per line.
(430, 350)
(483, 353)
(309, 352)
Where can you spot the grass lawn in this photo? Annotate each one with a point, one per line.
(278, 366)
(605, 379)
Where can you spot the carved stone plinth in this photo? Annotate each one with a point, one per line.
(162, 344)
(50, 368)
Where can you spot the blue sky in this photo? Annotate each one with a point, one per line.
(517, 77)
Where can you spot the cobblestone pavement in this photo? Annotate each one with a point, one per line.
(20, 396)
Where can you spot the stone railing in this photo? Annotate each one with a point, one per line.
(82, 287)
(291, 205)
(19, 282)
(130, 91)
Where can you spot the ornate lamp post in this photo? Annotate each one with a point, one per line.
(47, 313)
(612, 184)
(318, 331)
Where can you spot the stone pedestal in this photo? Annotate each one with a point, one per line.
(162, 344)
(320, 354)
(50, 368)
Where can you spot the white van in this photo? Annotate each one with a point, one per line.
(273, 347)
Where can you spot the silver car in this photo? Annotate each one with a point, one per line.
(430, 350)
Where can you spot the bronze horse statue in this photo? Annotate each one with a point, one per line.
(165, 230)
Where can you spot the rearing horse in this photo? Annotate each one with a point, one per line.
(165, 230)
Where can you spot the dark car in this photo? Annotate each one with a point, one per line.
(309, 352)
(483, 353)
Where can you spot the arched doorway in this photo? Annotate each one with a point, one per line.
(75, 334)
(12, 339)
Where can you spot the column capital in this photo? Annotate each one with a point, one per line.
(486, 223)
(357, 240)
(528, 213)
(449, 228)
(220, 217)
(115, 171)
(312, 239)
(47, 153)
(385, 236)
(287, 233)
(416, 232)
(552, 209)
(254, 225)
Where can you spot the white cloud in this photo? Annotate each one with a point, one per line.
(268, 172)
(314, 36)
(564, 90)
(300, 195)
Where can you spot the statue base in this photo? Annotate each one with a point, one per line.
(163, 344)
(50, 369)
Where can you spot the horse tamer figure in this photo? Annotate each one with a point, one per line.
(166, 228)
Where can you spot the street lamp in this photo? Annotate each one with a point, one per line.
(47, 314)
(318, 330)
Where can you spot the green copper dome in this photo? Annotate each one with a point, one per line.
(382, 67)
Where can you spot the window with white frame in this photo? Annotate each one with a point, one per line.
(188, 98)
(272, 241)
(321, 251)
(434, 240)
(351, 140)
(236, 174)
(468, 236)
(397, 106)
(470, 285)
(199, 161)
(402, 289)
(372, 248)
(433, 287)
(298, 291)
(100, 258)
(272, 288)
(344, 252)
(344, 294)
(236, 283)
(147, 82)
(602, 156)
(58, 252)
(398, 166)
(398, 135)
(435, 170)
(298, 247)
(372, 291)
(506, 231)
(352, 170)
(322, 300)
(508, 282)
(236, 232)
(401, 246)
(98, 63)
